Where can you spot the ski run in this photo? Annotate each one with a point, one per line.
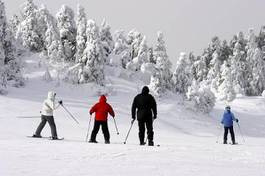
(187, 139)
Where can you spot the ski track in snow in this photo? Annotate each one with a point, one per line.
(187, 139)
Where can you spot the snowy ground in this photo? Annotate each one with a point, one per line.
(187, 139)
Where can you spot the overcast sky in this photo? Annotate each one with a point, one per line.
(188, 25)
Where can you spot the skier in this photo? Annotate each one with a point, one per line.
(47, 115)
(146, 113)
(102, 108)
(227, 121)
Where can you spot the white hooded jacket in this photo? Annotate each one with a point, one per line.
(48, 105)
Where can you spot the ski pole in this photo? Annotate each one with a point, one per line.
(88, 128)
(116, 126)
(241, 132)
(70, 114)
(129, 132)
(217, 140)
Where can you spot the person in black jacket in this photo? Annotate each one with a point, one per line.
(146, 113)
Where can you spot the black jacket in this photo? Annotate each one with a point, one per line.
(145, 105)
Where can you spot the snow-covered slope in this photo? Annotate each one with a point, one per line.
(187, 139)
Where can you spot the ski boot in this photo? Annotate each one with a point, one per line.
(92, 141)
(36, 136)
(150, 143)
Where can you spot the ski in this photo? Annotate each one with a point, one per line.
(45, 137)
(28, 117)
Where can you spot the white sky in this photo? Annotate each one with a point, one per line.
(188, 25)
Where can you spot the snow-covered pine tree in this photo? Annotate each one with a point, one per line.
(226, 90)
(142, 57)
(214, 74)
(261, 38)
(160, 47)
(258, 72)
(214, 45)
(201, 97)
(121, 54)
(163, 67)
(134, 40)
(81, 38)
(92, 60)
(67, 31)
(182, 77)
(241, 73)
(151, 55)
(29, 30)
(156, 84)
(106, 40)
(3, 80)
(199, 69)
(10, 65)
(14, 23)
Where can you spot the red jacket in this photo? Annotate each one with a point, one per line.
(102, 108)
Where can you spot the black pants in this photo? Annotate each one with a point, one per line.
(150, 133)
(105, 130)
(51, 122)
(231, 129)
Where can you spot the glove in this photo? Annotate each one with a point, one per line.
(237, 120)
(155, 117)
(60, 102)
(132, 121)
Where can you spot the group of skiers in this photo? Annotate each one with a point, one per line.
(144, 108)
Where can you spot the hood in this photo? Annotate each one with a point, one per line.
(51, 95)
(102, 98)
(145, 90)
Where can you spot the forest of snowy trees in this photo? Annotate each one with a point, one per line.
(83, 48)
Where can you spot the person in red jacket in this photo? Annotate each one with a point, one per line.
(102, 108)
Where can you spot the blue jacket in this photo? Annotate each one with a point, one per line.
(228, 119)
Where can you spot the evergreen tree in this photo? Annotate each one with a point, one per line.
(226, 89)
(199, 69)
(201, 97)
(121, 54)
(29, 31)
(214, 73)
(106, 40)
(134, 40)
(67, 31)
(160, 48)
(81, 32)
(163, 67)
(182, 76)
(258, 72)
(92, 61)
(241, 73)
(261, 38)
(142, 57)
(9, 64)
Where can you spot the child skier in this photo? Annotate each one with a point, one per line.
(47, 115)
(102, 108)
(227, 121)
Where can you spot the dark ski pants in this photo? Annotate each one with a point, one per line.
(105, 130)
(50, 120)
(231, 130)
(149, 126)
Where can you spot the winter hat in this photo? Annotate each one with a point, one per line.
(145, 90)
(102, 98)
(228, 107)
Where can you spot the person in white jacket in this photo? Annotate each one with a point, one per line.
(47, 115)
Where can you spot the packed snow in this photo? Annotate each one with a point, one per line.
(188, 140)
